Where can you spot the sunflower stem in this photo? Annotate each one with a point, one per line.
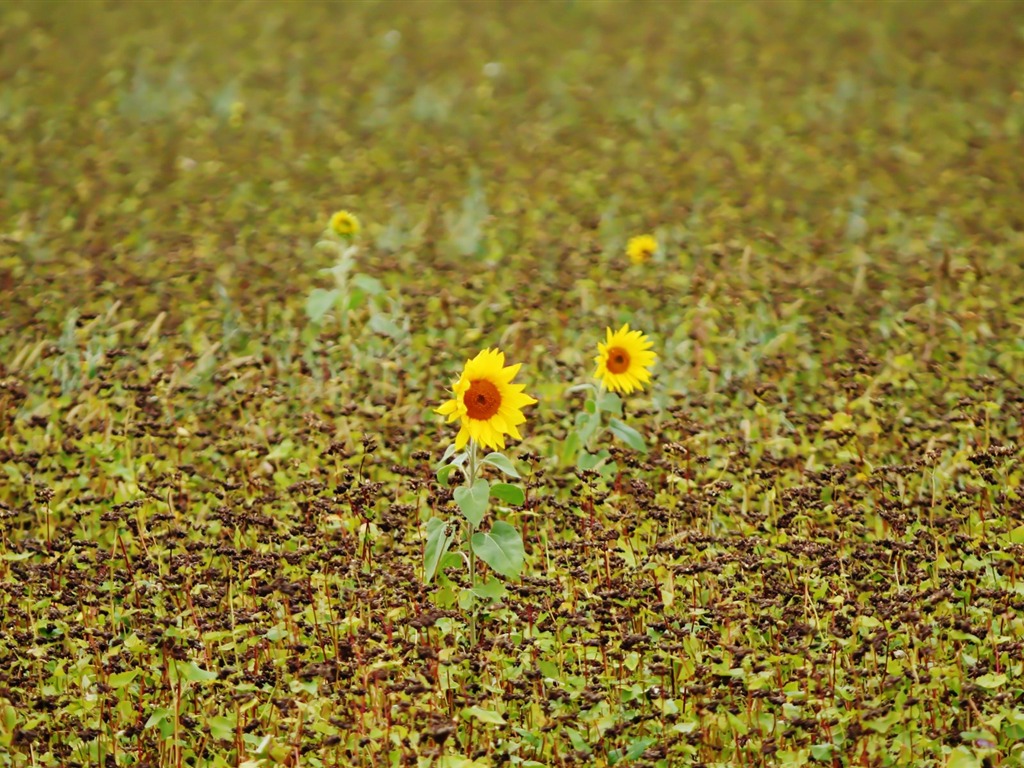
(472, 470)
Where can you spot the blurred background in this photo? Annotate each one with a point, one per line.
(177, 156)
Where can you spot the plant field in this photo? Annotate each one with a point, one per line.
(246, 251)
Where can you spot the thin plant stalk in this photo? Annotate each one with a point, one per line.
(473, 466)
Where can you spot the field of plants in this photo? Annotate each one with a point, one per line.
(324, 442)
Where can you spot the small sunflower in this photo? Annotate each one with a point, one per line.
(488, 403)
(345, 224)
(641, 248)
(624, 360)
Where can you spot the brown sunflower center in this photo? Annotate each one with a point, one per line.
(618, 360)
(482, 400)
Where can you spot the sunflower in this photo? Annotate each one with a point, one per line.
(641, 248)
(345, 224)
(488, 403)
(624, 360)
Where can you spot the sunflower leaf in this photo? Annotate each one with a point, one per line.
(492, 589)
(501, 548)
(369, 285)
(438, 542)
(587, 425)
(319, 303)
(502, 462)
(628, 435)
(510, 494)
(609, 402)
(473, 501)
(444, 472)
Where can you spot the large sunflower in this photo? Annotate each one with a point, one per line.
(624, 360)
(488, 403)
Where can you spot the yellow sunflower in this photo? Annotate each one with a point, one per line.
(488, 403)
(345, 224)
(624, 360)
(641, 248)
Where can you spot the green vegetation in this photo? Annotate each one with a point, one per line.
(218, 443)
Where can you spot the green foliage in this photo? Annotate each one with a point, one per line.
(217, 446)
(501, 548)
(472, 500)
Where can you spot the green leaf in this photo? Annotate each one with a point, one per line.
(222, 728)
(319, 303)
(444, 473)
(587, 425)
(962, 757)
(121, 679)
(609, 402)
(492, 589)
(501, 548)
(275, 633)
(638, 747)
(384, 326)
(591, 460)
(194, 673)
(456, 761)
(1017, 535)
(628, 435)
(549, 669)
(369, 285)
(578, 742)
(991, 681)
(510, 494)
(822, 751)
(159, 715)
(282, 450)
(502, 462)
(473, 501)
(355, 299)
(450, 560)
(483, 715)
(438, 542)
(570, 447)
(445, 595)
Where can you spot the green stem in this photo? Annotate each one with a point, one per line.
(473, 468)
(342, 267)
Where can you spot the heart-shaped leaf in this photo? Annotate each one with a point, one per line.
(501, 548)
(502, 462)
(609, 402)
(319, 303)
(510, 494)
(628, 435)
(473, 501)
